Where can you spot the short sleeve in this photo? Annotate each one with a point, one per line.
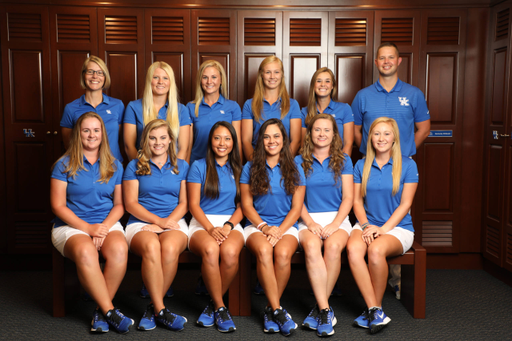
(184, 116)
(294, 109)
(119, 172)
(347, 114)
(301, 174)
(183, 169)
(246, 174)
(348, 168)
(357, 110)
(120, 110)
(194, 174)
(191, 107)
(247, 111)
(58, 171)
(411, 174)
(421, 112)
(129, 173)
(67, 119)
(304, 113)
(237, 113)
(358, 171)
(129, 114)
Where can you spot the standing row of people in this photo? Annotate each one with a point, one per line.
(272, 190)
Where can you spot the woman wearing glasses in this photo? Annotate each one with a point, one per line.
(95, 77)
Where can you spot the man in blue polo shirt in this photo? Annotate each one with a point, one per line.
(390, 97)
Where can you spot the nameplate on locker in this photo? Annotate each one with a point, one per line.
(441, 133)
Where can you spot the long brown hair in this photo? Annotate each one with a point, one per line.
(199, 89)
(144, 154)
(396, 155)
(75, 151)
(337, 161)
(211, 185)
(312, 94)
(259, 91)
(259, 181)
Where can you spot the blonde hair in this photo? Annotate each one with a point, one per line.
(259, 91)
(396, 155)
(199, 89)
(148, 109)
(312, 110)
(75, 152)
(144, 154)
(103, 67)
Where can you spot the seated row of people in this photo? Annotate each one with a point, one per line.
(89, 193)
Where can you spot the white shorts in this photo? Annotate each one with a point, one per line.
(325, 218)
(215, 220)
(133, 228)
(405, 237)
(60, 235)
(248, 230)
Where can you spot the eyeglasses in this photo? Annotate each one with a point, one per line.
(92, 72)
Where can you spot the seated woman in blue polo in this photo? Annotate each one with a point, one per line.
(215, 231)
(272, 187)
(86, 197)
(384, 186)
(155, 195)
(324, 219)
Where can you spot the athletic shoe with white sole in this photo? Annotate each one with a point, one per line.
(311, 321)
(207, 319)
(170, 320)
(362, 320)
(284, 321)
(224, 321)
(325, 325)
(147, 322)
(377, 320)
(269, 326)
(116, 319)
(98, 323)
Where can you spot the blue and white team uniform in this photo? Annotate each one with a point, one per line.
(379, 202)
(405, 103)
(274, 206)
(133, 115)
(111, 112)
(218, 210)
(159, 192)
(323, 197)
(88, 198)
(270, 111)
(341, 112)
(222, 110)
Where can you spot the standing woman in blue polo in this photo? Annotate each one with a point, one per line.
(211, 105)
(271, 100)
(214, 201)
(155, 195)
(384, 186)
(322, 92)
(86, 197)
(160, 100)
(95, 77)
(273, 187)
(324, 218)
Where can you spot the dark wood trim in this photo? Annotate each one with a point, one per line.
(461, 261)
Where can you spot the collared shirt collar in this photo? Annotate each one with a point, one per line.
(390, 162)
(397, 87)
(221, 101)
(168, 162)
(105, 100)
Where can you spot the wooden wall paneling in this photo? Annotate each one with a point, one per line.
(260, 34)
(121, 46)
(73, 38)
(304, 50)
(401, 27)
(168, 39)
(27, 117)
(350, 51)
(214, 37)
(3, 229)
(441, 77)
(471, 197)
(507, 239)
(498, 91)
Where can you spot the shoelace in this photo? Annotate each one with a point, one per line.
(98, 316)
(223, 314)
(209, 309)
(149, 313)
(280, 316)
(168, 317)
(323, 316)
(314, 312)
(116, 317)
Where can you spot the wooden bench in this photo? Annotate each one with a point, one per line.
(59, 273)
(414, 275)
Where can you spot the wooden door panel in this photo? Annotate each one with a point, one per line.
(302, 68)
(351, 70)
(441, 87)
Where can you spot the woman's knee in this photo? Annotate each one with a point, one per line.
(85, 254)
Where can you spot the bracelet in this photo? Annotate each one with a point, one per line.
(230, 224)
(365, 225)
(261, 225)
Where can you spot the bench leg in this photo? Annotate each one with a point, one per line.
(234, 295)
(245, 282)
(413, 293)
(59, 303)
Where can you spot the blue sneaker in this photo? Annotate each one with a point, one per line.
(377, 320)
(147, 322)
(117, 320)
(224, 321)
(206, 319)
(325, 323)
(269, 326)
(362, 320)
(311, 321)
(171, 320)
(258, 289)
(284, 321)
(98, 323)
(201, 287)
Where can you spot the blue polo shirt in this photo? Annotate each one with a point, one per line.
(404, 103)
(322, 195)
(89, 199)
(111, 112)
(342, 113)
(133, 115)
(222, 110)
(379, 202)
(225, 203)
(270, 111)
(274, 206)
(159, 192)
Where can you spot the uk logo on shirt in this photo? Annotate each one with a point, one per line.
(109, 112)
(222, 112)
(333, 115)
(403, 101)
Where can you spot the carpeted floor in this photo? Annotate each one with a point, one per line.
(461, 305)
